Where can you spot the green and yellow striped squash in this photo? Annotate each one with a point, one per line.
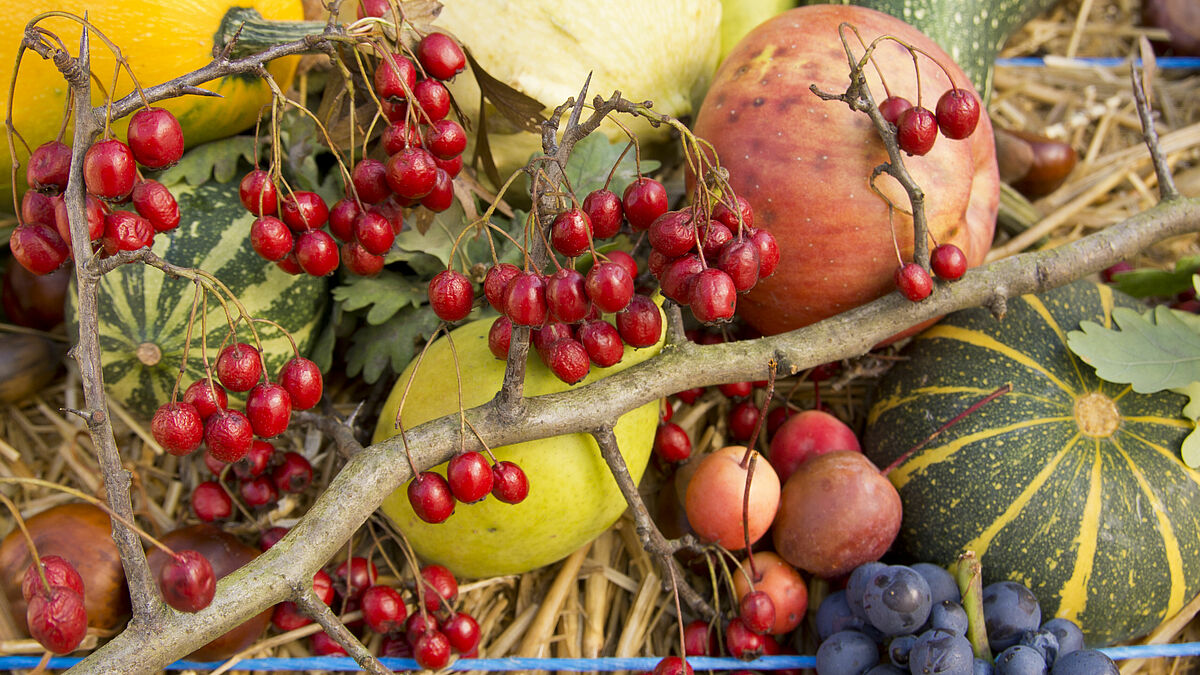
(144, 314)
(1068, 484)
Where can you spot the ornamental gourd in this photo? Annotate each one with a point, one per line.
(1069, 484)
(143, 314)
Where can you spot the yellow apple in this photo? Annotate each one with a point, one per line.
(572, 496)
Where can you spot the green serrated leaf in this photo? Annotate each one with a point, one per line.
(1146, 283)
(1192, 391)
(1149, 356)
(386, 294)
(437, 241)
(215, 159)
(593, 158)
(390, 345)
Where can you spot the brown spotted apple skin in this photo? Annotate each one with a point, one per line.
(804, 163)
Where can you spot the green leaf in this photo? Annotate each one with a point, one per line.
(1145, 283)
(437, 241)
(593, 158)
(1192, 391)
(321, 351)
(1151, 356)
(215, 159)
(374, 349)
(386, 294)
(1190, 450)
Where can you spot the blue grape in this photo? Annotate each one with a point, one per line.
(1070, 637)
(1009, 609)
(1020, 660)
(899, 648)
(942, 585)
(856, 585)
(834, 616)
(983, 667)
(896, 600)
(939, 652)
(949, 615)
(1045, 641)
(886, 669)
(1084, 662)
(848, 652)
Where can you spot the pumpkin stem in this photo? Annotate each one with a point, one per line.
(252, 33)
(957, 418)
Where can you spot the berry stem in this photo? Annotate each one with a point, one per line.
(404, 397)
(37, 560)
(746, 518)
(187, 340)
(1004, 389)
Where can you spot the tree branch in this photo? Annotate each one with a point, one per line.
(311, 605)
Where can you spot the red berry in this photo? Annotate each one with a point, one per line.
(438, 586)
(757, 610)
(957, 113)
(644, 200)
(548, 334)
(370, 181)
(743, 417)
(38, 209)
(913, 281)
(432, 650)
(699, 639)
(294, 474)
(125, 231)
(342, 216)
(155, 138)
(210, 501)
(525, 299)
(270, 238)
(500, 337)
(379, 8)
(207, 397)
(383, 609)
(568, 360)
(354, 576)
(49, 167)
(673, 665)
(177, 427)
(441, 56)
(255, 462)
(916, 130)
(358, 261)
(673, 233)
(689, 396)
(742, 642)
(723, 214)
(671, 443)
(412, 173)
(317, 253)
(57, 619)
(452, 166)
(187, 581)
(59, 572)
(739, 259)
(239, 366)
(713, 238)
(495, 280)
(566, 297)
(679, 276)
(891, 107)
(258, 193)
(324, 645)
(609, 286)
(624, 260)
(374, 233)
(433, 99)
(451, 295)
(640, 323)
(571, 233)
(303, 211)
(713, 297)
(38, 248)
(441, 197)
(302, 379)
(768, 252)
(948, 262)
(394, 77)
(736, 389)
(430, 497)
(95, 209)
(287, 617)
(214, 465)
(155, 203)
(258, 492)
(446, 139)
(603, 209)
(510, 485)
(602, 342)
(1109, 274)
(108, 170)
(228, 435)
(469, 476)
(269, 408)
(462, 631)
(397, 137)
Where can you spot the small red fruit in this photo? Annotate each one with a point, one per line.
(269, 408)
(187, 581)
(673, 665)
(610, 287)
(433, 99)
(568, 360)
(948, 262)
(394, 77)
(412, 173)
(571, 233)
(210, 501)
(432, 650)
(462, 631)
(495, 281)
(602, 342)
(108, 170)
(258, 193)
(358, 261)
(913, 281)
(500, 337)
(957, 113)
(446, 139)
(439, 587)
(354, 576)
(294, 474)
(239, 366)
(916, 130)
(373, 232)
(525, 299)
(228, 435)
(640, 323)
(603, 209)
(757, 610)
(430, 497)
(57, 619)
(317, 253)
(714, 297)
(370, 181)
(891, 107)
(177, 427)
(207, 397)
(49, 167)
(302, 379)
(644, 200)
(125, 231)
(451, 295)
(258, 492)
(510, 484)
(271, 238)
(383, 609)
(155, 203)
(469, 476)
(671, 443)
(303, 211)
(566, 295)
(441, 56)
(255, 462)
(155, 138)
(59, 572)
(38, 248)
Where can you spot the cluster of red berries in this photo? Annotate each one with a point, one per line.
(204, 414)
(917, 127)
(747, 636)
(262, 475)
(424, 151)
(41, 243)
(947, 261)
(469, 479)
(704, 263)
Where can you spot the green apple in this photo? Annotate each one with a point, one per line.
(572, 495)
(739, 17)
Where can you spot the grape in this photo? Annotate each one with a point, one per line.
(848, 652)
(941, 583)
(1070, 637)
(886, 669)
(899, 648)
(896, 600)
(1084, 662)
(856, 585)
(834, 616)
(1045, 641)
(939, 652)
(1020, 660)
(1009, 609)
(950, 616)
(983, 667)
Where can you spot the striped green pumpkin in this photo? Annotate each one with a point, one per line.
(1068, 484)
(143, 313)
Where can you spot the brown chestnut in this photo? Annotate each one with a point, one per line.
(226, 553)
(29, 363)
(1034, 165)
(82, 534)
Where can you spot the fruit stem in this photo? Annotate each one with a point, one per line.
(968, 574)
(746, 518)
(244, 31)
(37, 560)
(955, 420)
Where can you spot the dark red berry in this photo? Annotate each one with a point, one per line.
(689, 396)
(624, 260)
(916, 131)
(722, 213)
(49, 167)
(603, 209)
(571, 233)
(510, 484)
(324, 645)
(891, 107)
(210, 501)
(258, 193)
(271, 238)
(342, 215)
(948, 262)
(302, 379)
(525, 299)
(451, 295)
(258, 492)
(494, 282)
(354, 576)
(303, 211)
(957, 113)
(95, 210)
(156, 204)
(108, 170)
(59, 572)
(739, 259)
(548, 334)
(255, 462)
(644, 200)
(378, 8)
(713, 297)
(736, 389)
(566, 296)
(1109, 274)
(678, 277)
(469, 476)
(38, 209)
(187, 581)
(383, 609)
(671, 443)
(438, 587)
(462, 631)
(441, 56)
(207, 397)
(316, 253)
(412, 173)
(446, 139)
(397, 137)
(125, 231)
(430, 497)
(742, 642)
(269, 408)
(441, 197)
(500, 337)
(294, 473)
(432, 650)
(452, 166)
(768, 252)
(640, 324)
(913, 281)
(757, 610)
(673, 233)
(369, 177)
(155, 138)
(374, 233)
(239, 366)
(38, 248)
(673, 665)
(177, 427)
(609, 286)
(394, 77)
(57, 619)
(743, 417)
(699, 639)
(228, 435)
(358, 261)
(433, 99)
(713, 238)
(270, 537)
(568, 360)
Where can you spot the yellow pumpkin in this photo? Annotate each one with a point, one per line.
(161, 39)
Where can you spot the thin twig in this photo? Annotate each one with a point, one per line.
(308, 602)
(1166, 182)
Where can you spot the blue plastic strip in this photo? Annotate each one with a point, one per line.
(344, 664)
(1164, 63)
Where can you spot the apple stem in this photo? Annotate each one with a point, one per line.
(762, 413)
(955, 420)
(746, 518)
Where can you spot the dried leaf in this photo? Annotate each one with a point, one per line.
(525, 112)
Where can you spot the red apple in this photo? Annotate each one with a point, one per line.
(803, 163)
(806, 435)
